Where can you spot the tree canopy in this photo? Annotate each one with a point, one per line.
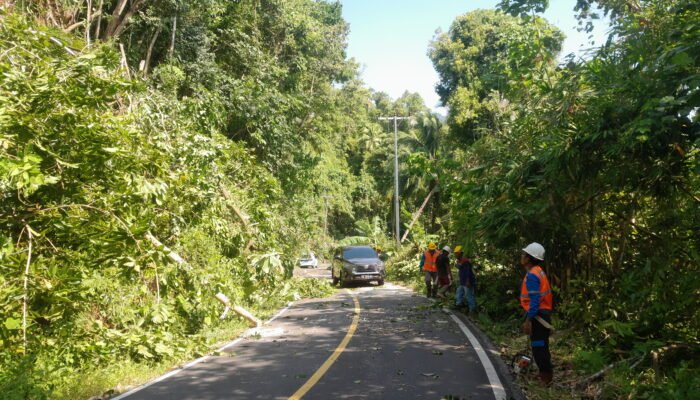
(155, 153)
(594, 158)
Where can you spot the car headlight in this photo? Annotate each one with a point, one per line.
(352, 267)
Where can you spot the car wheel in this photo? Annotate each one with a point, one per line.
(380, 282)
(335, 280)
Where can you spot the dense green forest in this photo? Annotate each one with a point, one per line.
(234, 134)
(597, 159)
(238, 134)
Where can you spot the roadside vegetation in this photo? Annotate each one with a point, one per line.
(153, 154)
(597, 159)
(132, 195)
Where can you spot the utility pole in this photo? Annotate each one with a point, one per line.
(396, 176)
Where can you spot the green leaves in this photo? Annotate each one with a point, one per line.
(93, 163)
(143, 351)
(596, 159)
(267, 269)
(487, 62)
(12, 323)
(523, 7)
(24, 174)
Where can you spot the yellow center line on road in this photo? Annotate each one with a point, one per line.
(336, 353)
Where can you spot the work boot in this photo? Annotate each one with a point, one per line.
(545, 378)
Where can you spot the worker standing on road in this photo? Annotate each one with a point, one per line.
(536, 298)
(428, 264)
(444, 272)
(467, 281)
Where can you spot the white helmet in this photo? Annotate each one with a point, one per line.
(536, 250)
(447, 249)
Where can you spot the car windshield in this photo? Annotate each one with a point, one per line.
(307, 256)
(358, 252)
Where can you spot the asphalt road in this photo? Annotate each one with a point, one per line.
(322, 272)
(402, 347)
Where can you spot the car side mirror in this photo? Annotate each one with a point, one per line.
(383, 257)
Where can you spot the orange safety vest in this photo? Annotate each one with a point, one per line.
(545, 291)
(430, 262)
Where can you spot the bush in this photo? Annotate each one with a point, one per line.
(403, 267)
(94, 171)
(589, 361)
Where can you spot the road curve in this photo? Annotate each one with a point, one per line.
(400, 346)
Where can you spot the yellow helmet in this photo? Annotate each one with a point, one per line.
(432, 246)
(458, 249)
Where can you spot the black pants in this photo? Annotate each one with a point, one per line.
(539, 340)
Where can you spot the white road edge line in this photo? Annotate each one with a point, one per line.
(197, 361)
(495, 382)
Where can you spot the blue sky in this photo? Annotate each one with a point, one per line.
(389, 38)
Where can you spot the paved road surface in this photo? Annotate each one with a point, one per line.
(403, 348)
(322, 272)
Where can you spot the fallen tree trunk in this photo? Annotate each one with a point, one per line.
(252, 320)
(173, 256)
(418, 214)
(607, 368)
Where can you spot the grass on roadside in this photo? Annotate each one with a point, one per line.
(122, 376)
(575, 363)
(115, 378)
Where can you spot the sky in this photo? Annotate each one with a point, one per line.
(390, 38)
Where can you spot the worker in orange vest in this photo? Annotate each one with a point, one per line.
(536, 298)
(428, 264)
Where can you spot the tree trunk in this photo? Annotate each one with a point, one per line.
(51, 17)
(124, 62)
(626, 227)
(418, 213)
(149, 53)
(99, 19)
(116, 16)
(171, 49)
(436, 209)
(120, 19)
(87, 23)
(589, 238)
(125, 20)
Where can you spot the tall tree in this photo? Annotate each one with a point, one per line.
(483, 61)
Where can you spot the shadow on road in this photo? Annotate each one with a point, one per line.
(403, 348)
